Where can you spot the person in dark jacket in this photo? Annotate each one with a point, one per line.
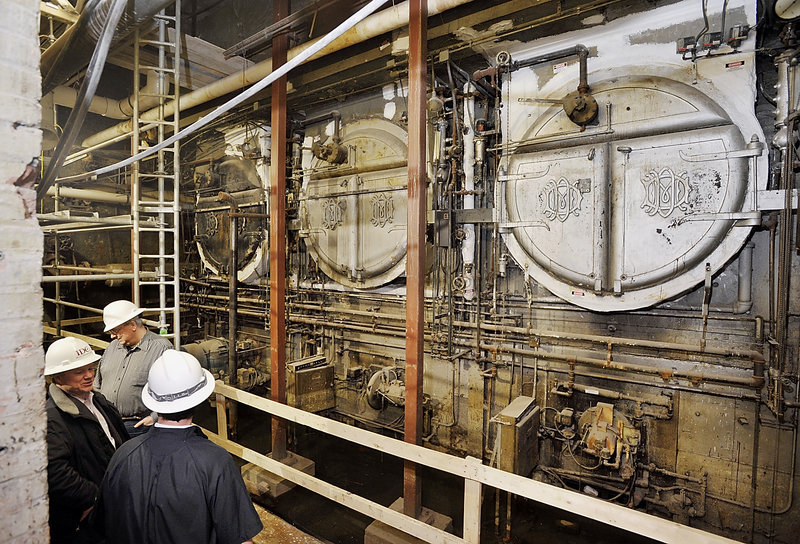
(83, 431)
(172, 485)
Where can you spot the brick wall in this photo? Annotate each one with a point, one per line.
(23, 456)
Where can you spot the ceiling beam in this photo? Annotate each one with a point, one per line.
(58, 13)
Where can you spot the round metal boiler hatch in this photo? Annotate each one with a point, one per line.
(239, 178)
(353, 215)
(630, 212)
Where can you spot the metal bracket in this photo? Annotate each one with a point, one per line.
(766, 201)
(522, 225)
(775, 200)
(753, 149)
(474, 215)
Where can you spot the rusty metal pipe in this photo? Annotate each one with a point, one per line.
(233, 276)
(579, 50)
(277, 233)
(753, 382)
(415, 260)
(755, 356)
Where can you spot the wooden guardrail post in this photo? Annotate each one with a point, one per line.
(472, 507)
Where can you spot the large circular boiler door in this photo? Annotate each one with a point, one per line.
(634, 210)
(354, 214)
(240, 179)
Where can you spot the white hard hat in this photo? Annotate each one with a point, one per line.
(176, 382)
(67, 354)
(119, 312)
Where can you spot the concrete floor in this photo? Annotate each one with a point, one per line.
(277, 530)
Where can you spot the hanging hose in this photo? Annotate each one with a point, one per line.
(235, 101)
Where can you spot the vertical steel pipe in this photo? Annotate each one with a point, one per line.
(233, 299)
(233, 307)
(277, 235)
(415, 261)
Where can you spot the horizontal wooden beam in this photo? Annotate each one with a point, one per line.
(94, 342)
(78, 321)
(57, 13)
(634, 521)
(419, 529)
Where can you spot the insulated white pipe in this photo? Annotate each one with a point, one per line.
(379, 23)
(92, 195)
(108, 107)
(468, 243)
(273, 76)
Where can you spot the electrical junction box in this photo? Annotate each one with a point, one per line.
(518, 436)
(309, 384)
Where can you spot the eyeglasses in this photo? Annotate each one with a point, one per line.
(116, 330)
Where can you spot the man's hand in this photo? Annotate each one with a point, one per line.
(86, 513)
(147, 420)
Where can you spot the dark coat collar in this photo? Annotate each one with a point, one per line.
(64, 402)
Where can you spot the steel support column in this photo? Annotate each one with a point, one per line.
(277, 235)
(415, 261)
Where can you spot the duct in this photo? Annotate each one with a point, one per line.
(72, 51)
(379, 23)
(108, 107)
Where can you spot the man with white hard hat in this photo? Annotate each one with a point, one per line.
(172, 485)
(126, 361)
(83, 431)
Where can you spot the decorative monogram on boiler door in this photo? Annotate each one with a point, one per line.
(664, 192)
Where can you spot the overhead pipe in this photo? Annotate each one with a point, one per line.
(92, 195)
(109, 107)
(374, 25)
(72, 51)
(110, 19)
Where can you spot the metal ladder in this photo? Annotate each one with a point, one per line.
(156, 217)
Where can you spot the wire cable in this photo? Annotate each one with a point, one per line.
(238, 99)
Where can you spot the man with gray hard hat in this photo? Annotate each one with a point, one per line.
(172, 485)
(83, 430)
(126, 361)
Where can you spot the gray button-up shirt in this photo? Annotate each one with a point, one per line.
(123, 372)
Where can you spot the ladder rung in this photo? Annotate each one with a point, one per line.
(166, 282)
(156, 203)
(156, 122)
(157, 68)
(165, 229)
(152, 175)
(157, 43)
(156, 209)
(165, 256)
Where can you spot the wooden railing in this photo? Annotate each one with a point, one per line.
(475, 475)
